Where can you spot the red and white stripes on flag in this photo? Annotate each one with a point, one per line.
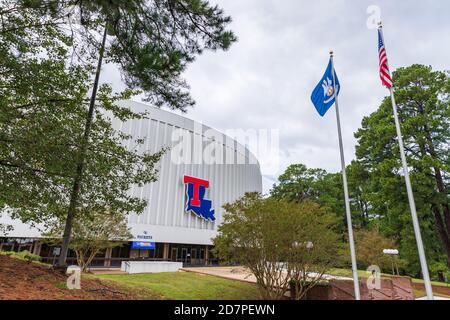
(385, 74)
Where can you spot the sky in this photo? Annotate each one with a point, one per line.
(265, 80)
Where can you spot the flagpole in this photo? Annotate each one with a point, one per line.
(347, 198)
(412, 204)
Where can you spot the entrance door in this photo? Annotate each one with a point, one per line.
(184, 255)
(174, 254)
(194, 257)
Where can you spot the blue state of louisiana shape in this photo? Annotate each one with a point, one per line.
(205, 209)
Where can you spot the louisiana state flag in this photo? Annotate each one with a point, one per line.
(323, 96)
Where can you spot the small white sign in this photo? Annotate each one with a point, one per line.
(390, 251)
(56, 251)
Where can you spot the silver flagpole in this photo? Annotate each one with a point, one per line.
(412, 204)
(347, 199)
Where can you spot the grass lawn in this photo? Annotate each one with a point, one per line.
(365, 274)
(422, 293)
(434, 283)
(184, 285)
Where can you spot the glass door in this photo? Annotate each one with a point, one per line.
(184, 255)
(174, 254)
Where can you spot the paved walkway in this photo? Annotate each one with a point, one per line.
(435, 298)
(107, 271)
(242, 274)
(233, 273)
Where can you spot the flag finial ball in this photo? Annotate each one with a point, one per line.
(331, 52)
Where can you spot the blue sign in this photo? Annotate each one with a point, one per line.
(195, 198)
(142, 245)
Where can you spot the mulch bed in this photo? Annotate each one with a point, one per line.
(23, 280)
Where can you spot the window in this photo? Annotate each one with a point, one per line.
(121, 252)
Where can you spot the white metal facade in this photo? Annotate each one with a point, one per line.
(165, 219)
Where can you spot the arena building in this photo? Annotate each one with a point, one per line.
(202, 170)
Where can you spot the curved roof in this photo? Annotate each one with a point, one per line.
(186, 123)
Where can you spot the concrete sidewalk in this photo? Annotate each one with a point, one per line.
(243, 274)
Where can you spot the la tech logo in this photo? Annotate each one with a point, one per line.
(196, 203)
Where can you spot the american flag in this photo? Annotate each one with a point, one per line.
(385, 74)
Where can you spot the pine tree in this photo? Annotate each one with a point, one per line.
(423, 98)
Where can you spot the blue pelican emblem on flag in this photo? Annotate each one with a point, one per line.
(323, 96)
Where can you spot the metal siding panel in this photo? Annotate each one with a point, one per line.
(159, 185)
(152, 210)
(170, 187)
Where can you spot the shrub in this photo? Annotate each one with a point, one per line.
(282, 243)
(23, 255)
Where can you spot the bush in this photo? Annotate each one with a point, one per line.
(23, 255)
(279, 242)
(437, 268)
(369, 250)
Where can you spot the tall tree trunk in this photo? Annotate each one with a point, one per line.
(81, 160)
(441, 188)
(437, 174)
(443, 191)
(442, 232)
(442, 228)
(366, 212)
(443, 225)
(439, 179)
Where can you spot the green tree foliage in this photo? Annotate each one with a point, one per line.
(151, 41)
(41, 130)
(281, 242)
(299, 183)
(424, 110)
(31, 73)
(370, 245)
(360, 201)
(42, 116)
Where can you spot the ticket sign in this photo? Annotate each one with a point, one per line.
(145, 245)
